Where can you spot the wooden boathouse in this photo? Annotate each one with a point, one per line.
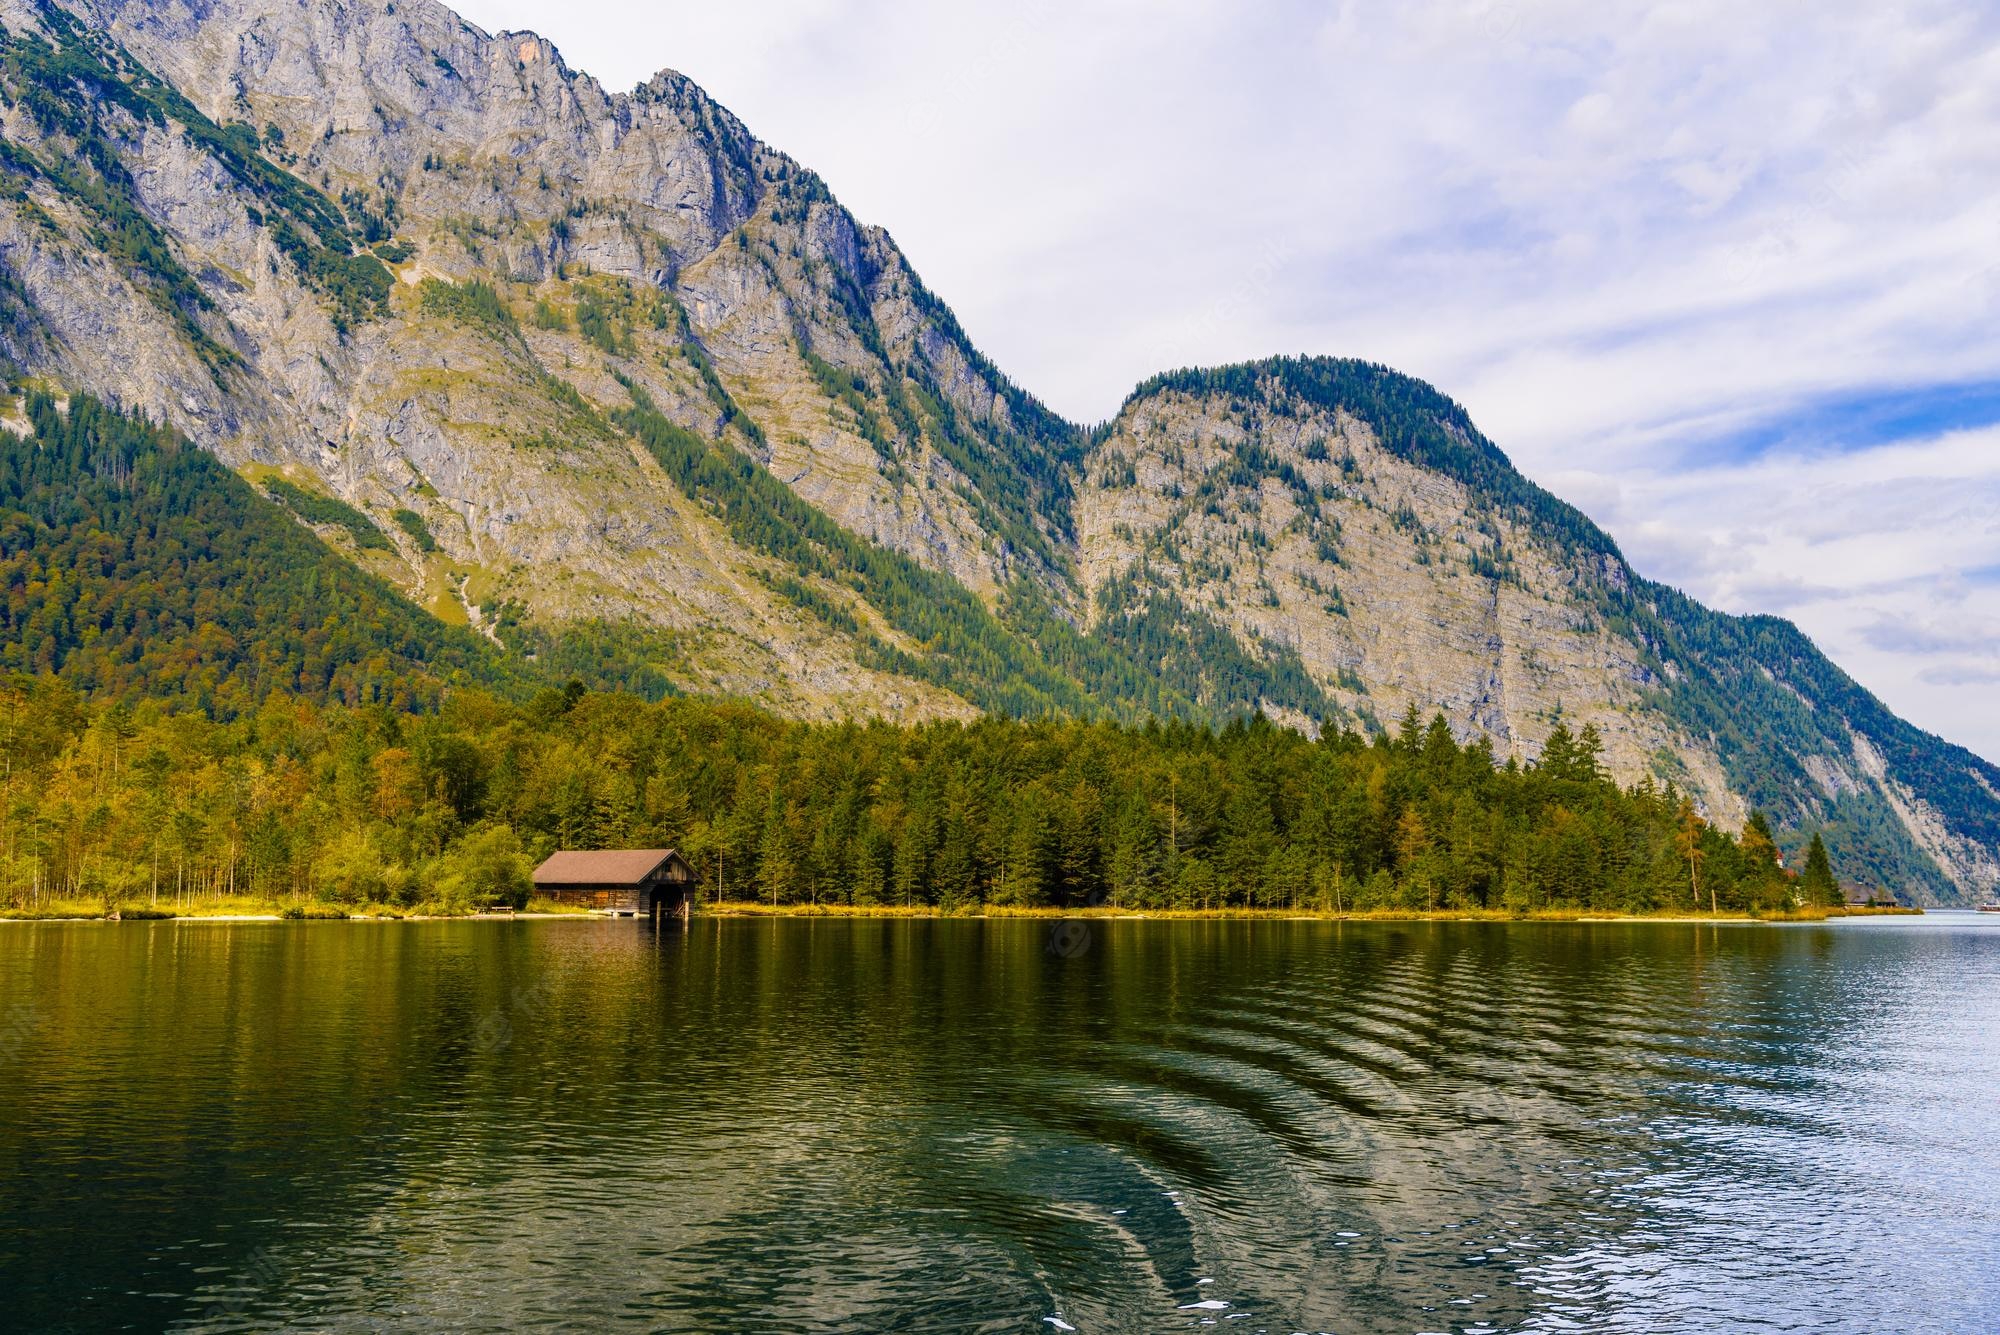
(621, 882)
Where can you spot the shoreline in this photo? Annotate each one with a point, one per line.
(278, 915)
(992, 912)
(741, 909)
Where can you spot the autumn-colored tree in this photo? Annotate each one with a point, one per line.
(1413, 841)
(1688, 839)
(396, 782)
(1760, 850)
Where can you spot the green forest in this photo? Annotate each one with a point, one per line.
(135, 566)
(204, 704)
(332, 806)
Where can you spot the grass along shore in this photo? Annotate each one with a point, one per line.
(748, 909)
(258, 910)
(240, 909)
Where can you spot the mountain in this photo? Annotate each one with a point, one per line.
(1357, 520)
(607, 382)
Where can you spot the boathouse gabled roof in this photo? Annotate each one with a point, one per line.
(610, 866)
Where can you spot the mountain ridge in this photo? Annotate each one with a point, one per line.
(589, 341)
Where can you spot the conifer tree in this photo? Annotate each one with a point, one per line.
(1587, 759)
(1817, 883)
(1410, 732)
(1559, 752)
(1760, 853)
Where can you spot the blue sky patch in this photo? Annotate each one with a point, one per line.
(1845, 423)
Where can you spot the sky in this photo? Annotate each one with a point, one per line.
(1725, 275)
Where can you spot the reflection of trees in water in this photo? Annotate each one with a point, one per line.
(841, 1124)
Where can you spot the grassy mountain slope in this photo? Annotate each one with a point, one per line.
(133, 564)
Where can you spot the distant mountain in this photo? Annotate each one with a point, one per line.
(1356, 521)
(608, 379)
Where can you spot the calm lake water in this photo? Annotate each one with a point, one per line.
(999, 1126)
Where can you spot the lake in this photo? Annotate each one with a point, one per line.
(1008, 1126)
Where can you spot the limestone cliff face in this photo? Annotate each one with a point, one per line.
(1354, 525)
(1395, 585)
(497, 160)
(486, 158)
(617, 361)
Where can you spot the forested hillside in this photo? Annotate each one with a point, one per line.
(298, 804)
(135, 567)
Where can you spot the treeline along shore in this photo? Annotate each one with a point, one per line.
(302, 807)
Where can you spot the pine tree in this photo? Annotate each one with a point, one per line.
(1817, 883)
(1558, 753)
(1410, 732)
(1586, 761)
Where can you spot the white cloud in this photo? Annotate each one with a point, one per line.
(1884, 556)
(1616, 230)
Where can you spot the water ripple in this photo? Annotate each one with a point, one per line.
(923, 1126)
